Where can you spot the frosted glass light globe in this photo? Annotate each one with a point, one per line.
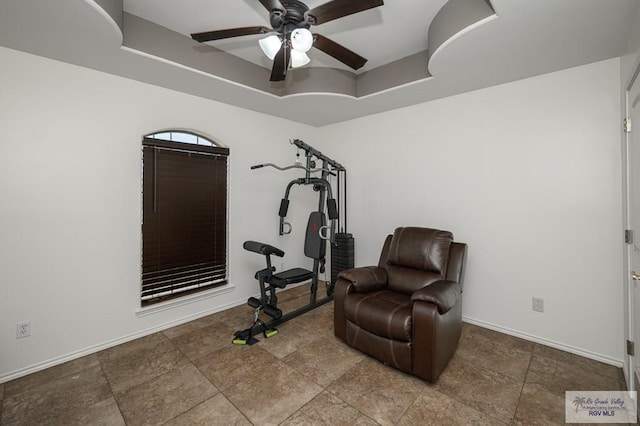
(299, 59)
(270, 46)
(301, 39)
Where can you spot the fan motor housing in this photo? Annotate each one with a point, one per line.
(295, 16)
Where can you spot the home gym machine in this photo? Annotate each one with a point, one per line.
(318, 233)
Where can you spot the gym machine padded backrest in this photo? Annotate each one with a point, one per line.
(315, 246)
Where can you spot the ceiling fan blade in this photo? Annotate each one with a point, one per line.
(228, 33)
(338, 8)
(339, 52)
(281, 63)
(273, 4)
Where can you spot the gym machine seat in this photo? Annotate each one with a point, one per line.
(281, 279)
(407, 311)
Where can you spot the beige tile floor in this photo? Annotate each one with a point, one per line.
(192, 374)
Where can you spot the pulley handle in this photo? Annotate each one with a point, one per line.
(285, 228)
(326, 236)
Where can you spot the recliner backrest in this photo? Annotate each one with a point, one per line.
(457, 261)
(416, 258)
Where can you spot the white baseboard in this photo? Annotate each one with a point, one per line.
(106, 345)
(142, 333)
(546, 342)
(138, 334)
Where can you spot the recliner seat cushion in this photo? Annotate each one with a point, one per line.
(383, 313)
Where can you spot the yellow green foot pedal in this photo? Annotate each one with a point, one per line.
(243, 340)
(270, 333)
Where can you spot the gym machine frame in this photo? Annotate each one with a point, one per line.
(317, 233)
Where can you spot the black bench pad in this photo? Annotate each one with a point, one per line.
(290, 276)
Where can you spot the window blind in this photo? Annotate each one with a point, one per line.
(184, 228)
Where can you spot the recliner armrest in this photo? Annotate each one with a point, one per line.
(444, 294)
(366, 278)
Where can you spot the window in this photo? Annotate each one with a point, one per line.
(184, 218)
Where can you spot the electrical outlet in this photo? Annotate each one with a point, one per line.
(281, 266)
(23, 329)
(537, 304)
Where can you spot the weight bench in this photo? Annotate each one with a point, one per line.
(315, 247)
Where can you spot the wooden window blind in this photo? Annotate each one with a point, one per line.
(184, 224)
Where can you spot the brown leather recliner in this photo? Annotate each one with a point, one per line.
(407, 311)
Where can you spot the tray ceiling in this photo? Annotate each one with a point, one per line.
(418, 51)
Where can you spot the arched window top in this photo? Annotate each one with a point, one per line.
(183, 136)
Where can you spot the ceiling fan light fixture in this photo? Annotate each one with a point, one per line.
(270, 46)
(301, 40)
(299, 59)
(291, 20)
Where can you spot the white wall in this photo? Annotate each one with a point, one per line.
(70, 204)
(528, 174)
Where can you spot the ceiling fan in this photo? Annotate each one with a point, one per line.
(290, 21)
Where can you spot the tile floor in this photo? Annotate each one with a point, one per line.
(192, 374)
